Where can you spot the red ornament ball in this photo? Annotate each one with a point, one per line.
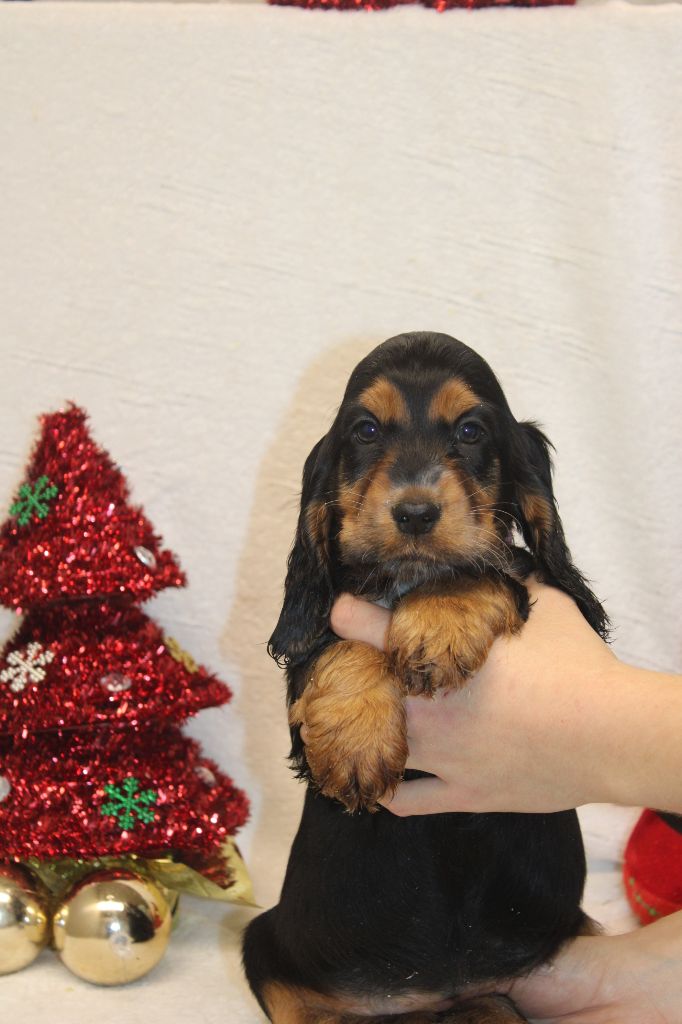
(652, 870)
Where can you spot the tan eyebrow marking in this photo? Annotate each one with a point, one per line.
(452, 399)
(385, 401)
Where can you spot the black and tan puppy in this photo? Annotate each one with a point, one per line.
(418, 497)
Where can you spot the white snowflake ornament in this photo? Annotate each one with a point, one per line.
(26, 666)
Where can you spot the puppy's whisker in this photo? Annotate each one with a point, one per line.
(362, 587)
(357, 505)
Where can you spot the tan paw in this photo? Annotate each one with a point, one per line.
(353, 711)
(437, 640)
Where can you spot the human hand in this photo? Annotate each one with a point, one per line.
(548, 724)
(524, 733)
(621, 979)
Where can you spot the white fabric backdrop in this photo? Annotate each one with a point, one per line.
(209, 213)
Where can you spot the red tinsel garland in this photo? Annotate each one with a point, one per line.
(438, 5)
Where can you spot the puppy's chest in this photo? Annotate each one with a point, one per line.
(387, 584)
(386, 588)
(389, 600)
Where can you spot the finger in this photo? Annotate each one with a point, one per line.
(420, 796)
(355, 619)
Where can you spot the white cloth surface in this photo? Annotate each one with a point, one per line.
(208, 215)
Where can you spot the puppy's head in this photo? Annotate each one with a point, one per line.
(423, 474)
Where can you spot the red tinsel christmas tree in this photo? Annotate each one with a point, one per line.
(92, 760)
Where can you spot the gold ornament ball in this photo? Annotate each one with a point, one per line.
(113, 928)
(23, 921)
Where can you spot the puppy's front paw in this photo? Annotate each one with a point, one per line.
(352, 707)
(359, 777)
(424, 644)
(437, 640)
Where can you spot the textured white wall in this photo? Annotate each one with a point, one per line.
(208, 214)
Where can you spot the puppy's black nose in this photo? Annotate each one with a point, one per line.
(415, 517)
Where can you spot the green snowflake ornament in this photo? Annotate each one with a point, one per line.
(34, 501)
(127, 805)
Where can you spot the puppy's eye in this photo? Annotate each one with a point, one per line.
(366, 431)
(469, 432)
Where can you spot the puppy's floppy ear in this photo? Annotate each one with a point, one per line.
(537, 515)
(308, 592)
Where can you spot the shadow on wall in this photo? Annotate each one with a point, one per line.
(277, 797)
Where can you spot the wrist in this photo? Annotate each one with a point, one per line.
(593, 734)
(642, 763)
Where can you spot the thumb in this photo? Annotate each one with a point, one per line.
(421, 796)
(355, 619)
